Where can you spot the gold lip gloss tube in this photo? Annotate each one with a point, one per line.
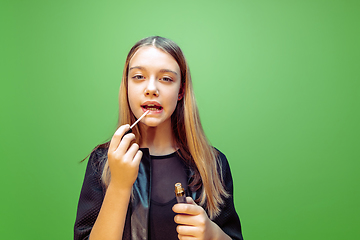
(180, 193)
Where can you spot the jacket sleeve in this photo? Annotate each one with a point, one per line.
(228, 220)
(91, 197)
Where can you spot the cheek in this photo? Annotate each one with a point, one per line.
(172, 102)
(132, 95)
(174, 97)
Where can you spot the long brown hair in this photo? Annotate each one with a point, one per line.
(188, 132)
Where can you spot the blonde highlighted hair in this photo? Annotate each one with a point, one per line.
(186, 126)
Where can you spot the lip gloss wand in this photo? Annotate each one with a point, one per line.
(130, 130)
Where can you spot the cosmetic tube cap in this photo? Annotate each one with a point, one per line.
(180, 193)
(128, 131)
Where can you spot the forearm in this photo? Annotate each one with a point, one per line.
(111, 219)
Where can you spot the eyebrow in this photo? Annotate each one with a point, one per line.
(162, 70)
(137, 67)
(168, 70)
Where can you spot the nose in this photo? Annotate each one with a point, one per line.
(151, 88)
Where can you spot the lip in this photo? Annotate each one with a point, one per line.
(156, 104)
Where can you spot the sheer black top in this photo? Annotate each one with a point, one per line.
(149, 214)
(165, 172)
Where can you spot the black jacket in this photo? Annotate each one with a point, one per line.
(136, 224)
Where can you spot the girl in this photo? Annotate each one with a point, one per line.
(128, 190)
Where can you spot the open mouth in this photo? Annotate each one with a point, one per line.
(152, 107)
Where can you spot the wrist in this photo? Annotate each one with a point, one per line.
(118, 189)
(218, 233)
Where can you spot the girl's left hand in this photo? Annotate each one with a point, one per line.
(194, 222)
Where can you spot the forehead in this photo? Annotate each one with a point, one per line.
(151, 57)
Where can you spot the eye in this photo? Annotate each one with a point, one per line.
(138, 77)
(166, 79)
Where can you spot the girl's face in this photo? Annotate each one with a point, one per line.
(153, 84)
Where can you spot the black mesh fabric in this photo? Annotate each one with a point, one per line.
(93, 191)
(165, 172)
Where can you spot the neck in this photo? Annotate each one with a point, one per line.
(159, 140)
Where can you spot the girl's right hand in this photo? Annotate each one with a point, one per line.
(123, 160)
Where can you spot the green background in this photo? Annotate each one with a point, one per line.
(277, 85)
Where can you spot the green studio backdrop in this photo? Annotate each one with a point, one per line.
(277, 85)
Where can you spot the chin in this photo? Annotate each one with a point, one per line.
(151, 124)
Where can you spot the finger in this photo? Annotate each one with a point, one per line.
(130, 154)
(188, 220)
(184, 237)
(125, 143)
(189, 200)
(183, 219)
(128, 131)
(115, 140)
(187, 231)
(138, 157)
(186, 208)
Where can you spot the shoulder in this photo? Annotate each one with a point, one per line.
(222, 161)
(98, 158)
(99, 152)
(221, 155)
(224, 170)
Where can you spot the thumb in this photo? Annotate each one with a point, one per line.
(189, 200)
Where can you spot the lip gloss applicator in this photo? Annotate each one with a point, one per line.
(130, 130)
